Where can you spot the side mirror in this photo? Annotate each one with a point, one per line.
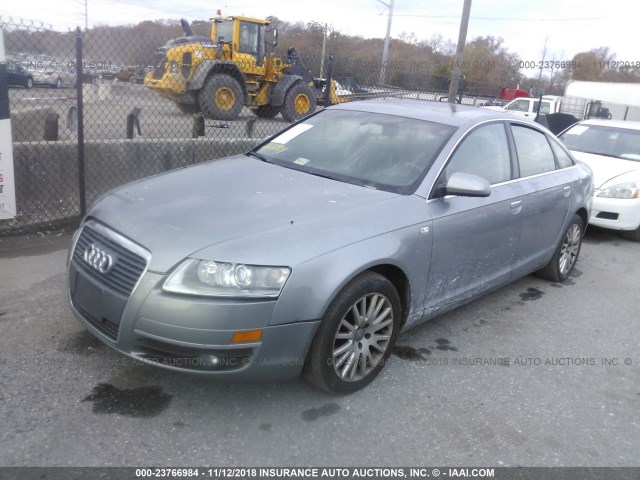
(274, 43)
(467, 185)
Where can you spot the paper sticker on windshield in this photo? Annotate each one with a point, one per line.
(302, 161)
(274, 147)
(579, 130)
(292, 133)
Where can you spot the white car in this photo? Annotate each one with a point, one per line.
(612, 150)
(58, 77)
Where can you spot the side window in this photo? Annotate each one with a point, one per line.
(562, 158)
(484, 152)
(519, 106)
(249, 37)
(534, 153)
(545, 108)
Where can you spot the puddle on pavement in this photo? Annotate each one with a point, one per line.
(407, 353)
(147, 401)
(445, 345)
(531, 294)
(315, 413)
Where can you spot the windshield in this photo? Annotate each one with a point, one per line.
(604, 140)
(374, 150)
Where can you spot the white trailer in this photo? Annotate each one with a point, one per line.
(622, 99)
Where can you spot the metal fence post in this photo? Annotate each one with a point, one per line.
(79, 106)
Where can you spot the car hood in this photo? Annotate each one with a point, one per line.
(254, 211)
(605, 168)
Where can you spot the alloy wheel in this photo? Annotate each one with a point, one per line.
(362, 337)
(569, 250)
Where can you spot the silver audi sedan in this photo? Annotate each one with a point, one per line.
(313, 251)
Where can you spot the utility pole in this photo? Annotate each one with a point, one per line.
(86, 12)
(385, 50)
(544, 57)
(462, 38)
(324, 50)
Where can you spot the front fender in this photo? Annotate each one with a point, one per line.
(206, 66)
(280, 90)
(314, 284)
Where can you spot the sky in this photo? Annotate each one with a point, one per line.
(567, 26)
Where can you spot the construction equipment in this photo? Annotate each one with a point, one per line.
(219, 75)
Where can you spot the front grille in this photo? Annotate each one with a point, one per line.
(127, 266)
(104, 325)
(607, 216)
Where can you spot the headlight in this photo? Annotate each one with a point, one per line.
(219, 279)
(623, 190)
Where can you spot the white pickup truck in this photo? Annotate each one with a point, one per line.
(580, 108)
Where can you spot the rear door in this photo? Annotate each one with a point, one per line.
(474, 239)
(546, 197)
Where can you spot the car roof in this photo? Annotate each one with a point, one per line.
(629, 125)
(439, 112)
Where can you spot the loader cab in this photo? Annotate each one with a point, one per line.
(246, 38)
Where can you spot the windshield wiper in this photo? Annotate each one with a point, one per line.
(325, 175)
(339, 179)
(259, 156)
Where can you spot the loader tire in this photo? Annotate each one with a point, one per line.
(190, 108)
(266, 111)
(299, 102)
(221, 97)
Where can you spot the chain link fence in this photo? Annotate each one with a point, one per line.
(94, 110)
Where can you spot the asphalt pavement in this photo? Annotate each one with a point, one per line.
(534, 374)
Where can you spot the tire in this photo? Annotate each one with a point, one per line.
(190, 108)
(342, 359)
(221, 97)
(29, 83)
(266, 111)
(633, 235)
(566, 255)
(299, 102)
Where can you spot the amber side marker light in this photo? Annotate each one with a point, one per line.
(246, 336)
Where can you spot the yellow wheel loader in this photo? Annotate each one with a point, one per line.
(219, 75)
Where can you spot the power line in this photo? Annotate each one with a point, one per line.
(508, 19)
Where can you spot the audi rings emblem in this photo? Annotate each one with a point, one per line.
(98, 259)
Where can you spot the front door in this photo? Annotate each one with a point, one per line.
(474, 239)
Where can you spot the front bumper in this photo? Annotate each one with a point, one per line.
(615, 213)
(187, 333)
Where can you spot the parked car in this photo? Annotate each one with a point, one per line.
(126, 73)
(612, 149)
(89, 75)
(58, 77)
(107, 72)
(17, 76)
(138, 76)
(324, 242)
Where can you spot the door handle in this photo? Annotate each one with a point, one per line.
(516, 207)
(566, 191)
